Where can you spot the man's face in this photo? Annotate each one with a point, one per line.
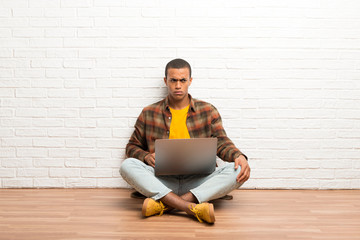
(178, 81)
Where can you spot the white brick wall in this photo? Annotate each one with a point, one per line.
(74, 75)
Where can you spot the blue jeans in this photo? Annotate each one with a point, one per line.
(204, 187)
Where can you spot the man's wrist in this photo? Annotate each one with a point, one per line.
(242, 156)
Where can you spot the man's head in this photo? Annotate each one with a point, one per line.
(178, 79)
(177, 63)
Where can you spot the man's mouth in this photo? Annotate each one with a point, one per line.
(178, 92)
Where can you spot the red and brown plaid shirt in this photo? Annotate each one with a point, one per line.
(203, 121)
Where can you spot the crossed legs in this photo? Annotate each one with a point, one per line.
(180, 193)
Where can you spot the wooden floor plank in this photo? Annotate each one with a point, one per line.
(111, 214)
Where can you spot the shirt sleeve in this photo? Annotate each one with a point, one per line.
(226, 150)
(137, 146)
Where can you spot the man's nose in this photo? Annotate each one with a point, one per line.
(178, 84)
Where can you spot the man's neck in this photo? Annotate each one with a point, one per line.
(177, 105)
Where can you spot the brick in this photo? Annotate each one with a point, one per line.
(112, 102)
(335, 184)
(29, 73)
(44, 3)
(32, 172)
(44, 22)
(47, 103)
(78, 42)
(80, 83)
(66, 53)
(7, 132)
(30, 92)
(76, 3)
(79, 103)
(125, 12)
(61, 73)
(60, 12)
(92, 73)
(6, 73)
(80, 143)
(116, 122)
(54, 162)
(94, 153)
(5, 12)
(64, 172)
(109, 3)
(31, 112)
(5, 33)
(63, 113)
(18, 183)
(48, 142)
(49, 183)
(63, 153)
(6, 112)
(92, 32)
(96, 133)
(5, 53)
(28, 32)
(80, 183)
(49, 122)
(31, 152)
(16, 142)
(48, 63)
(27, 53)
(93, 12)
(23, 122)
(80, 163)
(96, 113)
(110, 183)
(14, 22)
(111, 83)
(81, 123)
(17, 163)
(46, 42)
(95, 173)
(109, 164)
(7, 173)
(80, 63)
(62, 132)
(96, 93)
(102, 143)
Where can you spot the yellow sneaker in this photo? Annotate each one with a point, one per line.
(151, 207)
(204, 211)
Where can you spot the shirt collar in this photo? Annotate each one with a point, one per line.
(191, 108)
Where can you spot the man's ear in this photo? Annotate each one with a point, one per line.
(165, 81)
(190, 81)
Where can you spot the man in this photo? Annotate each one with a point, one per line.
(181, 116)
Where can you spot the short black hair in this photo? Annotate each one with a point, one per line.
(177, 63)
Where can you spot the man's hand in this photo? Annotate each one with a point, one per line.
(245, 169)
(150, 159)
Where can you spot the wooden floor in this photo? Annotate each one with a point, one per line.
(112, 214)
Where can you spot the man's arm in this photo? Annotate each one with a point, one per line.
(137, 146)
(226, 149)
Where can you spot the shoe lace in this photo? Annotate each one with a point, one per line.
(161, 208)
(197, 213)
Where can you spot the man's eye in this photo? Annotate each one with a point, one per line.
(173, 80)
(183, 80)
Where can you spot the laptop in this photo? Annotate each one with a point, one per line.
(185, 156)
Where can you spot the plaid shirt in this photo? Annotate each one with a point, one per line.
(203, 121)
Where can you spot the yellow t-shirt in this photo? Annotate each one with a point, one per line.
(178, 128)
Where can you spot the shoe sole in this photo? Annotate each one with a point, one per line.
(212, 214)
(143, 211)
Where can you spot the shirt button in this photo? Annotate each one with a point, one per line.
(167, 132)
(169, 117)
